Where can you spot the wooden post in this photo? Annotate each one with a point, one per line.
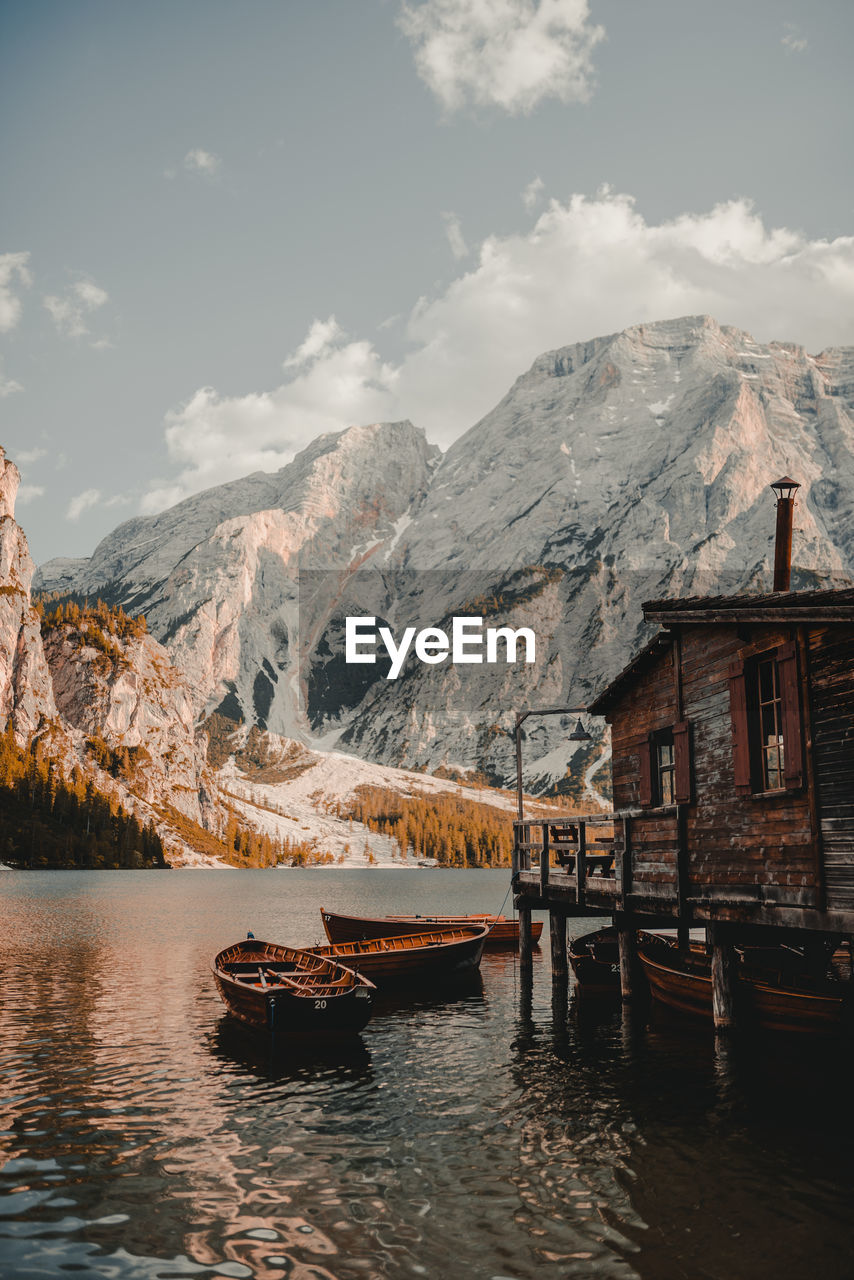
(526, 946)
(682, 920)
(627, 948)
(557, 931)
(724, 980)
(626, 863)
(581, 865)
(544, 861)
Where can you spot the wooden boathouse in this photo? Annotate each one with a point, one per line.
(732, 735)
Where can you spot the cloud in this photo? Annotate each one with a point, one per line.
(26, 457)
(88, 498)
(583, 268)
(792, 40)
(29, 493)
(202, 162)
(321, 338)
(454, 232)
(213, 438)
(70, 313)
(13, 270)
(8, 386)
(533, 194)
(505, 53)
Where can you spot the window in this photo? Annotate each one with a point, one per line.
(770, 746)
(665, 767)
(664, 763)
(765, 709)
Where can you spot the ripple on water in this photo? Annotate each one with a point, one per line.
(481, 1135)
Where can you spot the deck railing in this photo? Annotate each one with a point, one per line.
(595, 853)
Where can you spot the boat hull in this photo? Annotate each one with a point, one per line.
(685, 985)
(410, 958)
(595, 961)
(502, 932)
(298, 994)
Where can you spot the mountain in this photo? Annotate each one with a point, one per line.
(631, 466)
(26, 692)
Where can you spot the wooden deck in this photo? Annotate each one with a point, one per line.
(637, 861)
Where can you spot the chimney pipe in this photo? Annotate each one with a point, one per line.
(785, 491)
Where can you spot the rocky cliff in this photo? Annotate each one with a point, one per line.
(26, 693)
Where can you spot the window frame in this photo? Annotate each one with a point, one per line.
(750, 752)
(681, 767)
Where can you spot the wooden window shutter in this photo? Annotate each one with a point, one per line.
(645, 787)
(682, 762)
(793, 734)
(740, 728)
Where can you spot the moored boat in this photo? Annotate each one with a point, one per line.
(290, 991)
(773, 999)
(411, 957)
(502, 932)
(595, 960)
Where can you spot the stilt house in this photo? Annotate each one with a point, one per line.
(732, 736)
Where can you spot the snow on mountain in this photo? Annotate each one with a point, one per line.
(628, 467)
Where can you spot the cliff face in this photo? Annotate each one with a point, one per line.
(26, 694)
(133, 700)
(632, 466)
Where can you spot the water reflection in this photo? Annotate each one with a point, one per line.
(493, 1129)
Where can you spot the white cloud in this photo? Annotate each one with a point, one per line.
(506, 53)
(792, 40)
(8, 386)
(26, 457)
(206, 163)
(70, 313)
(533, 194)
(213, 438)
(321, 338)
(88, 498)
(454, 232)
(583, 268)
(29, 493)
(13, 271)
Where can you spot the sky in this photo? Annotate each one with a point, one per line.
(228, 227)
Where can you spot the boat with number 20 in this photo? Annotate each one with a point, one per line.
(286, 991)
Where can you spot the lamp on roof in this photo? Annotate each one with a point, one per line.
(785, 490)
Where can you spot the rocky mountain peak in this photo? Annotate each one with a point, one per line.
(10, 479)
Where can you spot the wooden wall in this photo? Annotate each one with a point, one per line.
(831, 658)
(738, 846)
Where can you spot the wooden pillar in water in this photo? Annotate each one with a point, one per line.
(557, 932)
(627, 947)
(526, 946)
(724, 980)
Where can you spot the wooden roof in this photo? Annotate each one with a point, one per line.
(778, 606)
(651, 651)
(835, 605)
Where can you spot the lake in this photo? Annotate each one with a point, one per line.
(492, 1133)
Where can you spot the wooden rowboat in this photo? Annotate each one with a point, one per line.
(595, 960)
(781, 1000)
(411, 957)
(284, 990)
(503, 932)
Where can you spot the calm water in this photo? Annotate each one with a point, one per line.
(493, 1134)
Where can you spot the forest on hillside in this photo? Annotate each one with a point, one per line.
(49, 820)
